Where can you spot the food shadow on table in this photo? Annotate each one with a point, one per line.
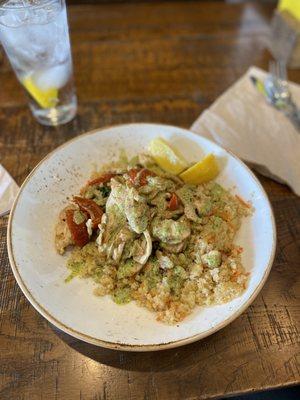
(170, 359)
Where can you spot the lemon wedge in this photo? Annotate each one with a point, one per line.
(166, 157)
(45, 98)
(203, 171)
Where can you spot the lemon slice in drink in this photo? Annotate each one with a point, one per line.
(166, 157)
(44, 98)
(203, 171)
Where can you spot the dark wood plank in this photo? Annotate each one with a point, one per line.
(162, 62)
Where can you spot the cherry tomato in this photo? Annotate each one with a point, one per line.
(174, 202)
(133, 174)
(143, 176)
(79, 232)
(95, 212)
(139, 176)
(101, 179)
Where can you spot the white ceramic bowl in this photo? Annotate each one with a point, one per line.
(72, 307)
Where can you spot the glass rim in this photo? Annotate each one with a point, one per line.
(22, 6)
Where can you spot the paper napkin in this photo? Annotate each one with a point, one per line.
(8, 191)
(242, 121)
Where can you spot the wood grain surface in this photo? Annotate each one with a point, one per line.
(160, 62)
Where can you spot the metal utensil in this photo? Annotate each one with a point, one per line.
(278, 93)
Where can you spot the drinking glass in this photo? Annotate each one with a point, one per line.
(35, 37)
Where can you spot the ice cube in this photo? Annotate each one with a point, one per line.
(39, 16)
(61, 51)
(14, 18)
(33, 44)
(39, 44)
(54, 77)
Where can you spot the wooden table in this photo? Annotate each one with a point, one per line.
(162, 62)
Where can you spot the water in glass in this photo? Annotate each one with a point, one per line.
(35, 36)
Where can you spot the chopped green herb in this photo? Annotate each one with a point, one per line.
(105, 191)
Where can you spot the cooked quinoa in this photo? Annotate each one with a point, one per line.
(142, 234)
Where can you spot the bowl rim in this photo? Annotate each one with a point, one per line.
(118, 345)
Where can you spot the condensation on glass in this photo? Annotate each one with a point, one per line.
(35, 37)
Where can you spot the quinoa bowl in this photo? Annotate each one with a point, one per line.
(41, 272)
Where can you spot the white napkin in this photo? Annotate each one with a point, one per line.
(242, 121)
(8, 190)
